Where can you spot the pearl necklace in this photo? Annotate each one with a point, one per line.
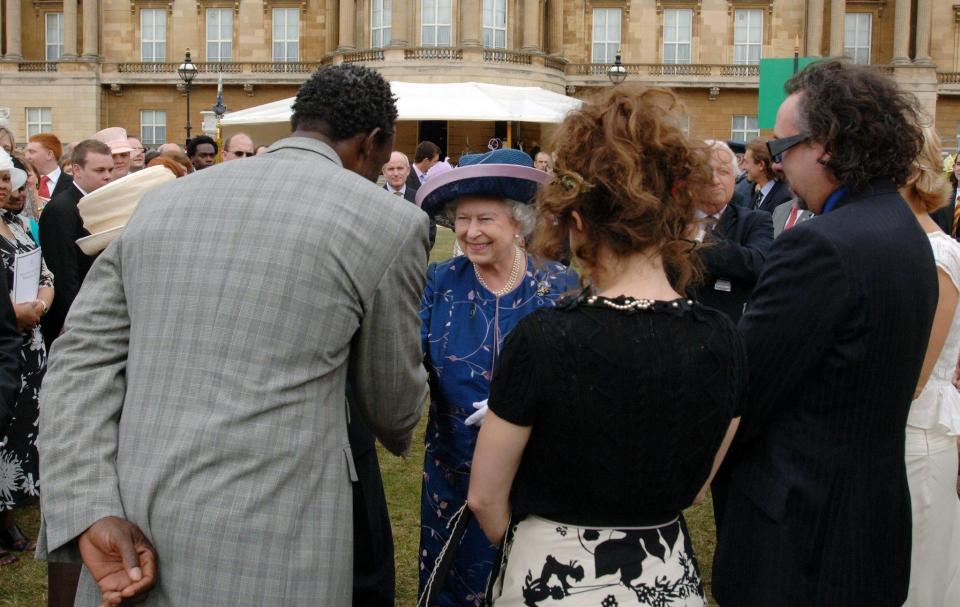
(514, 274)
(630, 304)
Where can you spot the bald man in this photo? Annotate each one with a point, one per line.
(238, 145)
(395, 173)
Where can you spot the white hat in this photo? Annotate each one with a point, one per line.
(106, 211)
(18, 177)
(116, 138)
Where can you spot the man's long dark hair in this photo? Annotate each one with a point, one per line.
(868, 126)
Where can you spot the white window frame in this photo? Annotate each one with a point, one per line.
(744, 127)
(153, 35)
(672, 18)
(605, 39)
(747, 36)
(53, 49)
(285, 47)
(39, 120)
(219, 48)
(857, 52)
(495, 23)
(433, 25)
(153, 127)
(381, 21)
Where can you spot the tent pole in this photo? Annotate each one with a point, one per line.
(509, 134)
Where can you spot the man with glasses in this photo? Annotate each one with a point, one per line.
(238, 145)
(818, 508)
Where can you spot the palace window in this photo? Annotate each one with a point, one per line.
(747, 36)
(856, 37)
(54, 37)
(744, 128)
(39, 120)
(495, 23)
(219, 34)
(606, 34)
(286, 34)
(381, 20)
(153, 35)
(436, 18)
(677, 29)
(153, 127)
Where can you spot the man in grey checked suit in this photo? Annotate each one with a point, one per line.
(194, 433)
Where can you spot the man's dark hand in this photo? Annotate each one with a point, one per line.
(120, 558)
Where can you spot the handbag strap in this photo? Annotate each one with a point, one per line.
(448, 555)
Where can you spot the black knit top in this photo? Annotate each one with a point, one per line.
(627, 407)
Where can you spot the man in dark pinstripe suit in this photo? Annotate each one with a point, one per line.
(817, 510)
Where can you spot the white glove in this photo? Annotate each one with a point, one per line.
(476, 419)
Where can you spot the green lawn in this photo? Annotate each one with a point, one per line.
(25, 584)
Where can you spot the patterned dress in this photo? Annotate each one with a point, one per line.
(464, 326)
(19, 465)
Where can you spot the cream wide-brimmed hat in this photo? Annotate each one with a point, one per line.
(116, 138)
(18, 176)
(107, 210)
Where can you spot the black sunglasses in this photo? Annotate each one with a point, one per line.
(777, 147)
(244, 154)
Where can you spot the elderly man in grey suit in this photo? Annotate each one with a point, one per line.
(198, 442)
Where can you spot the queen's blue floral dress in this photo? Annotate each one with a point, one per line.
(464, 326)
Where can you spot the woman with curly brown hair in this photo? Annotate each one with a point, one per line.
(609, 415)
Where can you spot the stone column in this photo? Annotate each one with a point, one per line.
(398, 23)
(471, 21)
(901, 33)
(13, 30)
(69, 29)
(348, 18)
(814, 41)
(91, 32)
(531, 26)
(838, 12)
(555, 29)
(924, 23)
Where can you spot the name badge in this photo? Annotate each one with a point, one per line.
(722, 285)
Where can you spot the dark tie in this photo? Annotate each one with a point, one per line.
(757, 199)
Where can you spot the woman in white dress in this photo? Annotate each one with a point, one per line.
(934, 420)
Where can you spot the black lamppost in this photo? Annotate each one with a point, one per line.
(187, 72)
(617, 73)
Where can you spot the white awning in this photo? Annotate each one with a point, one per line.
(467, 101)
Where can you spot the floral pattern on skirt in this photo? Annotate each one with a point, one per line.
(19, 462)
(554, 564)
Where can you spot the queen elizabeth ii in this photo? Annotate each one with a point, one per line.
(470, 304)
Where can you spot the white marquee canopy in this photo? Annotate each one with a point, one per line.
(468, 101)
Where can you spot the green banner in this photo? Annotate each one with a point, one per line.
(774, 73)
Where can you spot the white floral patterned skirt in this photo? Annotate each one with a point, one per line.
(547, 563)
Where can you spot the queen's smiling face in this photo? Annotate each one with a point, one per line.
(486, 230)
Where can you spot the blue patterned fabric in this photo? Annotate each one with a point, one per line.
(462, 332)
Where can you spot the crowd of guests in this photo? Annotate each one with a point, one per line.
(632, 321)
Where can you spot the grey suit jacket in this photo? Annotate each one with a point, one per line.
(198, 389)
(782, 213)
